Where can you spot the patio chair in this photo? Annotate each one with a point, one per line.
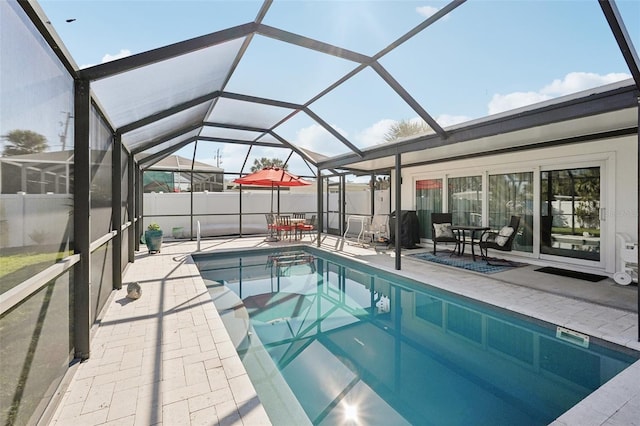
(501, 240)
(377, 229)
(284, 226)
(441, 231)
(271, 221)
(309, 226)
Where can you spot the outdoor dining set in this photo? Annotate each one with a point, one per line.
(287, 225)
(444, 231)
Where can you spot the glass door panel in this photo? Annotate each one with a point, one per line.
(428, 200)
(332, 209)
(511, 194)
(465, 200)
(570, 216)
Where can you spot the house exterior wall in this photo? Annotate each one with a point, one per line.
(619, 184)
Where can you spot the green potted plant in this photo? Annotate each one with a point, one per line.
(153, 238)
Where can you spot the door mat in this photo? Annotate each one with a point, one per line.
(572, 274)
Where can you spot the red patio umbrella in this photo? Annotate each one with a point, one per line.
(272, 176)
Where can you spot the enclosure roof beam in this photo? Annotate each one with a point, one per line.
(334, 132)
(238, 141)
(293, 147)
(382, 72)
(235, 127)
(622, 38)
(168, 112)
(165, 138)
(259, 100)
(154, 158)
(312, 44)
(129, 63)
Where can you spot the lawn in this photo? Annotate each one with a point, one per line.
(17, 266)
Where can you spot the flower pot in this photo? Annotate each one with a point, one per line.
(153, 239)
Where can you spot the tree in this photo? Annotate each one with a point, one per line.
(405, 128)
(24, 142)
(259, 164)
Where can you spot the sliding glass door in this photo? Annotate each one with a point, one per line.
(570, 203)
(428, 200)
(511, 194)
(465, 200)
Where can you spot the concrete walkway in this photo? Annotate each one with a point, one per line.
(167, 359)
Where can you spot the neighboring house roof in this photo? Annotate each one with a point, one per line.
(181, 164)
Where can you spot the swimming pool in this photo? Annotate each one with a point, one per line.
(327, 340)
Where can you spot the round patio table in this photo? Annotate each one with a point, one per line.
(462, 230)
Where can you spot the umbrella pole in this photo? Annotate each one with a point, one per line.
(271, 237)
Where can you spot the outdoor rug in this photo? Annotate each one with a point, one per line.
(572, 274)
(464, 262)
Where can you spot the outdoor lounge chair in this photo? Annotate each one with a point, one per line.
(501, 240)
(441, 230)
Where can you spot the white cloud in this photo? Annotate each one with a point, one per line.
(232, 157)
(426, 11)
(373, 135)
(572, 83)
(109, 57)
(316, 138)
(577, 81)
(445, 120)
(123, 53)
(500, 103)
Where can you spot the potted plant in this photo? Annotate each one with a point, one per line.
(153, 238)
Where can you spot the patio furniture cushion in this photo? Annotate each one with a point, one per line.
(443, 230)
(503, 236)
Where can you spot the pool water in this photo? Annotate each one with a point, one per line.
(327, 340)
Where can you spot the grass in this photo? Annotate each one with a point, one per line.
(18, 266)
(578, 231)
(10, 264)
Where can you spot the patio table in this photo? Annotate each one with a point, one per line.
(462, 230)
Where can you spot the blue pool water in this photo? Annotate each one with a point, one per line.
(327, 340)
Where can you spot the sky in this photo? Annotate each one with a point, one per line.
(484, 58)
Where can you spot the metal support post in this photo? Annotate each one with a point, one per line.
(116, 210)
(320, 214)
(81, 222)
(131, 210)
(398, 209)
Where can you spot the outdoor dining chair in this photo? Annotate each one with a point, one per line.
(308, 226)
(501, 240)
(284, 226)
(441, 231)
